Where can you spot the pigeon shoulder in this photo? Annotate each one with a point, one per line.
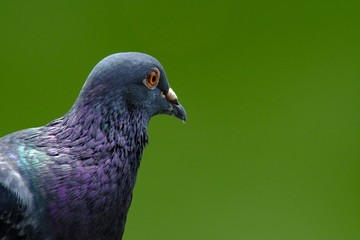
(10, 158)
(20, 215)
(15, 196)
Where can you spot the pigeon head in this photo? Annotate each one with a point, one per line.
(135, 80)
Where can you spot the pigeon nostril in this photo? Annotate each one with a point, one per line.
(171, 95)
(175, 101)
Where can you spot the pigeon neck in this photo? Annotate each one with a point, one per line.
(106, 128)
(105, 143)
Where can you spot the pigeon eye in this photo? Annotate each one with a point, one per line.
(153, 78)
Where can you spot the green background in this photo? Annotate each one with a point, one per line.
(271, 148)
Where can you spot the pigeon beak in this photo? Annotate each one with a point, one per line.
(176, 109)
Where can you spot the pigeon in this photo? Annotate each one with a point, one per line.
(74, 177)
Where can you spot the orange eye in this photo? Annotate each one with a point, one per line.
(153, 78)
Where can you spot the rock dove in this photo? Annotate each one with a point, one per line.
(74, 177)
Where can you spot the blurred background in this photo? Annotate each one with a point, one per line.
(271, 148)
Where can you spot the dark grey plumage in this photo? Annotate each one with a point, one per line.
(73, 178)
